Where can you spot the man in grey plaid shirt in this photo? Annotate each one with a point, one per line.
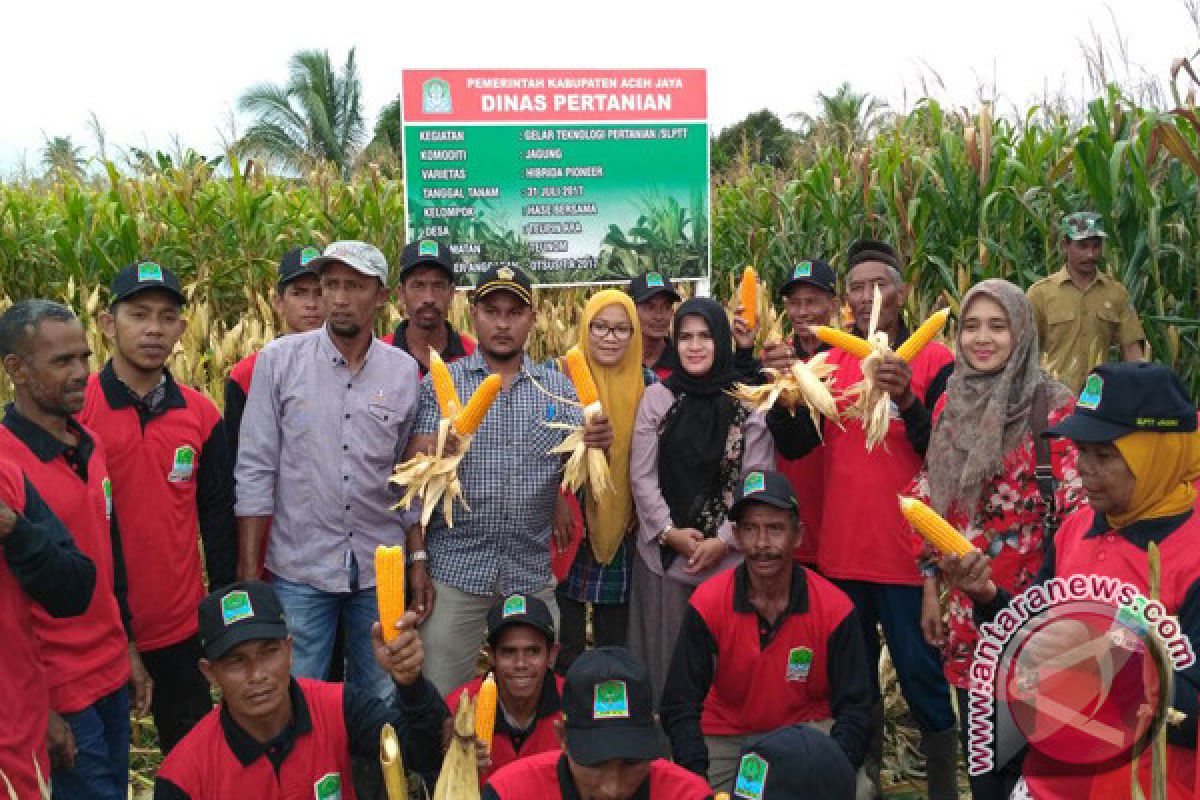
(502, 545)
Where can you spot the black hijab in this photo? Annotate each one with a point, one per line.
(695, 432)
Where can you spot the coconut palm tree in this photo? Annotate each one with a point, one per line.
(846, 117)
(62, 158)
(315, 116)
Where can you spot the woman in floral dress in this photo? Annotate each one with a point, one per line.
(980, 475)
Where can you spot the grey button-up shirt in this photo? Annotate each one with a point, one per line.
(502, 544)
(318, 444)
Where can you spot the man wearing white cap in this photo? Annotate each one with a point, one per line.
(328, 416)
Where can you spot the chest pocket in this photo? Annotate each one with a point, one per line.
(1060, 315)
(540, 436)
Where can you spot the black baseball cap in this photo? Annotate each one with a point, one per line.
(426, 253)
(608, 708)
(763, 486)
(296, 263)
(816, 272)
(1123, 398)
(793, 762)
(506, 279)
(519, 609)
(241, 612)
(141, 276)
(648, 284)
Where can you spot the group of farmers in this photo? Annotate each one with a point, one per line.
(710, 622)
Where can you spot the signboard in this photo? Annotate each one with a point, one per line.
(575, 176)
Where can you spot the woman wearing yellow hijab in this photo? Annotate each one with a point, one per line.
(1139, 459)
(611, 339)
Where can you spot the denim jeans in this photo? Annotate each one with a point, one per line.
(312, 617)
(918, 666)
(101, 770)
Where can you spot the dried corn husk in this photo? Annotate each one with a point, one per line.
(392, 764)
(804, 383)
(434, 477)
(459, 779)
(585, 465)
(872, 405)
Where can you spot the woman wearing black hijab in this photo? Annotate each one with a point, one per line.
(691, 443)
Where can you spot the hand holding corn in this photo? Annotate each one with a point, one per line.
(404, 656)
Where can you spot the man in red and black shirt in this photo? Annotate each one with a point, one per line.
(865, 543)
(809, 298)
(521, 650)
(610, 742)
(767, 644)
(88, 661)
(275, 736)
(39, 566)
(426, 290)
(172, 475)
(655, 298)
(297, 301)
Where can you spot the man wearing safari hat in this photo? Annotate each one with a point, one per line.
(1082, 310)
(611, 746)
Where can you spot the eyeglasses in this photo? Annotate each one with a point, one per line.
(601, 331)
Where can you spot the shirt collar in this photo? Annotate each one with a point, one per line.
(329, 349)
(797, 595)
(476, 363)
(1142, 532)
(1062, 276)
(566, 783)
(248, 750)
(802, 353)
(454, 343)
(43, 444)
(118, 394)
(549, 704)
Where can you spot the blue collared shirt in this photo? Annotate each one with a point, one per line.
(509, 480)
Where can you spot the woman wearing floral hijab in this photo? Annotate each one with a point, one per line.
(691, 442)
(979, 474)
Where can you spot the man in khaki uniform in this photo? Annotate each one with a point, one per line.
(1082, 311)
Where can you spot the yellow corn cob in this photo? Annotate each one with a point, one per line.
(485, 711)
(581, 376)
(923, 335)
(389, 588)
(748, 295)
(392, 764)
(937, 531)
(471, 417)
(843, 340)
(443, 386)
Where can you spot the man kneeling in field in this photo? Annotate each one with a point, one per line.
(276, 736)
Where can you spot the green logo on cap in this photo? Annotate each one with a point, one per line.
(799, 663)
(654, 280)
(751, 777)
(610, 700)
(183, 467)
(755, 482)
(308, 254)
(329, 787)
(428, 247)
(236, 606)
(513, 606)
(106, 485)
(802, 270)
(149, 271)
(1089, 398)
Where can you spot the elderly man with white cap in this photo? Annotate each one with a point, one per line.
(329, 414)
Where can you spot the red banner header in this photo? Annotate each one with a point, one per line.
(545, 95)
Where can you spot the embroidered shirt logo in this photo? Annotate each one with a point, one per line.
(106, 486)
(799, 663)
(183, 466)
(329, 787)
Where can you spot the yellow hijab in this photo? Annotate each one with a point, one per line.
(620, 389)
(1164, 466)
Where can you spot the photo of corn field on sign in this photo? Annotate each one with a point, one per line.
(576, 176)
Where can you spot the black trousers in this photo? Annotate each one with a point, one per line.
(181, 695)
(610, 627)
(997, 784)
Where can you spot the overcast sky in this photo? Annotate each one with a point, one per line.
(150, 70)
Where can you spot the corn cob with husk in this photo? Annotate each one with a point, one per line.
(585, 465)
(433, 476)
(392, 763)
(389, 588)
(873, 406)
(748, 297)
(937, 531)
(808, 383)
(459, 779)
